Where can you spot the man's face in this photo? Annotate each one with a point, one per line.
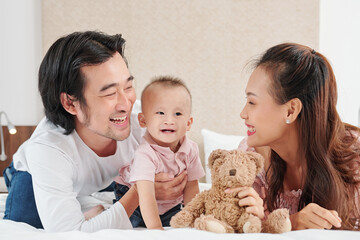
(109, 96)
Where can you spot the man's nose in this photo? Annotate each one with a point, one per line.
(123, 102)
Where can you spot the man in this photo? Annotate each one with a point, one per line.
(86, 136)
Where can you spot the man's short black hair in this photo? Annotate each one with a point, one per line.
(60, 70)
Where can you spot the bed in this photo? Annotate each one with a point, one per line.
(15, 230)
(212, 140)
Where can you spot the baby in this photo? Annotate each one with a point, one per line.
(166, 113)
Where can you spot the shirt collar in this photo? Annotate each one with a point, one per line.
(184, 146)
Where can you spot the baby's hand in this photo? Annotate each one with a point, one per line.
(93, 212)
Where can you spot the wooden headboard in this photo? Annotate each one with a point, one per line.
(12, 142)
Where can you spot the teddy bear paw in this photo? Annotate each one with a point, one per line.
(251, 227)
(278, 221)
(211, 224)
(182, 219)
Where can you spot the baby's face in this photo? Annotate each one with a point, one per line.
(166, 114)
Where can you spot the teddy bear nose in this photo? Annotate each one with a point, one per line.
(232, 172)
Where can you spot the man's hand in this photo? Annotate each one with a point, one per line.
(314, 216)
(169, 188)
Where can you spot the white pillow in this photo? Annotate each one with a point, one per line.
(213, 141)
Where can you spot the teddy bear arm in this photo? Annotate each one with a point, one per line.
(197, 205)
(187, 216)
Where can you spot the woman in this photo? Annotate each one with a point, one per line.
(314, 159)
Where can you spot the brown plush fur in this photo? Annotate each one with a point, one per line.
(216, 211)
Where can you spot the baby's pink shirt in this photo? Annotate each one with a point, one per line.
(151, 159)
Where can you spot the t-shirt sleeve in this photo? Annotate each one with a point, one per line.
(144, 165)
(53, 174)
(195, 170)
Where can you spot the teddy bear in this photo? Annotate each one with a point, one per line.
(216, 211)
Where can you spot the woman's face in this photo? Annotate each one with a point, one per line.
(264, 117)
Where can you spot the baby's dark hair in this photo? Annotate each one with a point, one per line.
(166, 81)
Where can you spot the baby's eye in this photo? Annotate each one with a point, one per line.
(178, 114)
(160, 113)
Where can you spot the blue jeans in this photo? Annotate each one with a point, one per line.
(136, 218)
(20, 203)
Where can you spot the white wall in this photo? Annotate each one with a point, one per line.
(20, 48)
(340, 43)
(20, 56)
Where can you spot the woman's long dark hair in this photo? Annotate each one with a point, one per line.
(330, 146)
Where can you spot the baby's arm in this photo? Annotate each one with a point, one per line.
(94, 211)
(191, 189)
(148, 205)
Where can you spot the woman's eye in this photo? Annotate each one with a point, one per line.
(178, 114)
(160, 113)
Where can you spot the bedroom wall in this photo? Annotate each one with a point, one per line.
(206, 43)
(339, 41)
(21, 53)
(215, 37)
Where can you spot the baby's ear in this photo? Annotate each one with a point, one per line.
(189, 123)
(258, 160)
(141, 119)
(216, 154)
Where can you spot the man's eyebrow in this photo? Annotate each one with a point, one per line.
(104, 88)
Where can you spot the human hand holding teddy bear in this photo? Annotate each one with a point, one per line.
(217, 211)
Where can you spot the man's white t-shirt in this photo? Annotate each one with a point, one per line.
(64, 168)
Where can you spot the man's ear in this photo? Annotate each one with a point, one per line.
(141, 119)
(294, 107)
(69, 103)
(189, 123)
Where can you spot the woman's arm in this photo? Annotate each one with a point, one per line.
(191, 189)
(148, 205)
(314, 216)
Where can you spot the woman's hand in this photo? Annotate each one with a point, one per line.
(314, 216)
(167, 188)
(249, 199)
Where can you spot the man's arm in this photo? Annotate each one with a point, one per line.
(167, 188)
(59, 210)
(191, 189)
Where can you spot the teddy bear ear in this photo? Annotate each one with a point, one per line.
(258, 159)
(216, 154)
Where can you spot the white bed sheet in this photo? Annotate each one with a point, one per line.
(15, 230)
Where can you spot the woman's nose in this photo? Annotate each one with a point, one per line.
(243, 114)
